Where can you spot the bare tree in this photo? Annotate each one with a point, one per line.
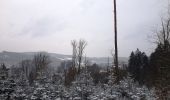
(78, 50)
(81, 46)
(28, 71)
(26, 67)
(74, 55)
(41, 61)
(163, 35)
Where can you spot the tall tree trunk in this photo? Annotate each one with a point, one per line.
(116, 48)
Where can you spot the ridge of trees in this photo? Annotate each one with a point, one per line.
(153, 71)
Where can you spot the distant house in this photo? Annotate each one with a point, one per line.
(3, 72)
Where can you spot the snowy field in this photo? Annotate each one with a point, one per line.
(82, 89)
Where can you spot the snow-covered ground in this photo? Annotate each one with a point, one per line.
(81, 89)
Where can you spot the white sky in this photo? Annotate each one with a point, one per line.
(50, 25)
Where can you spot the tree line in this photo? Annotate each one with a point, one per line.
(31, 69)
(154, 70)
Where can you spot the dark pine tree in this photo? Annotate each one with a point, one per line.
(160, 69)
(131, 62)
(138, 66)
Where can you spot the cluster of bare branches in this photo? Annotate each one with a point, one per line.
(32, 68)
(163, 36)
(41, 60)
(25, 66)
(78, 51)
(74, 55)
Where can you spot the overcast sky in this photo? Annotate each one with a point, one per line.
(50, 25)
